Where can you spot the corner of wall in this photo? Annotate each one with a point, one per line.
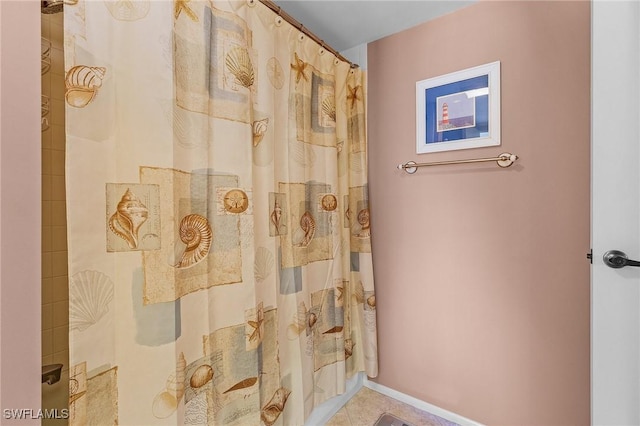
(357, 55)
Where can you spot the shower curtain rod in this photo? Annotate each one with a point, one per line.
(290, 19)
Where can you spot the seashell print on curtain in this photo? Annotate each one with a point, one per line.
(82, 84)
(218, 216)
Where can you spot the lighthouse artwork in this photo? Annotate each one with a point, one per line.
(457, 111)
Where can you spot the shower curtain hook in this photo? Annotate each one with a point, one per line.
(279, 17)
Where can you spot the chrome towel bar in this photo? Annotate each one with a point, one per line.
(503, 160)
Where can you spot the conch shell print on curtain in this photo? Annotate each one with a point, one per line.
(82, 83)
(128, 218)
(132, 219)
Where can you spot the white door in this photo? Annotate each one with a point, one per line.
(615, 293)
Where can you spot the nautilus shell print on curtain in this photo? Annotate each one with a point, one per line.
(195, 233)
(82, 84)
(128, 218)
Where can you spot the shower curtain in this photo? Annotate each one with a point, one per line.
(218, 219)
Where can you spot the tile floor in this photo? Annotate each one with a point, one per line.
(366, 407)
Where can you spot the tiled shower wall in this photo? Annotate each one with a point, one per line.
(55, 281)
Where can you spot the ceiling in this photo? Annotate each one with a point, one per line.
(346, 24)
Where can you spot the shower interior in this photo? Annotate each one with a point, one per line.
(49, 7)
(55, 282)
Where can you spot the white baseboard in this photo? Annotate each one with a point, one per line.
(325, 411)
(420, 405)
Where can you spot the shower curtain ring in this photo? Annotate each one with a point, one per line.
(279, 19)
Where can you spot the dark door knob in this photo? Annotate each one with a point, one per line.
(618, 259)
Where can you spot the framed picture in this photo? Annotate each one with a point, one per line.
(460, 110)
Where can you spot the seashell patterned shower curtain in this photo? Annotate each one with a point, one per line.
(218, 217)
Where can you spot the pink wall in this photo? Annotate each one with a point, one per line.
(481, 276)
(20, 216)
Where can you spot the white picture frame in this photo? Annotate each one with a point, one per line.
(460, 110)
